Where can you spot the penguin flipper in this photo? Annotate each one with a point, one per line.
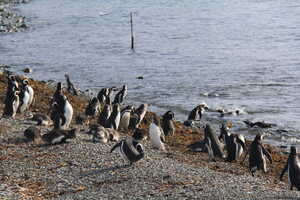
(267, 154)
(115, 146)
(283, 171)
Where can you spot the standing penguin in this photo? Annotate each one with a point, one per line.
(104, 115)
(30, 91)
(257, 155)
(138, 116)
(125, 117)
(293, 168)
(67, 112)
(156, 134)
(167, 123)
(195, 114)
(215, 142)
(130, 149)
(93, 107)
(103, 93)
(120, 96)
(11, 105)
(114, 119)
(24, 97)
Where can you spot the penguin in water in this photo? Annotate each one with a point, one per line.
(168, 124)
(130, 149)
(114, 119)
(24, 97)
(93, 107)
(125, 118)
(120, 96)
(257, 155)
(156, 134)
(104, 115)
(30, 91)
(293, 168)
(11, 104)
(58, 136)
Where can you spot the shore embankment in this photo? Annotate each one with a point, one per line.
(83, 169)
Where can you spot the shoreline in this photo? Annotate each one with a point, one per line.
(11, 133)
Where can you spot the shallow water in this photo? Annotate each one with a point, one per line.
(230, 53)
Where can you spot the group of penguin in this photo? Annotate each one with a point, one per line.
(111, 119)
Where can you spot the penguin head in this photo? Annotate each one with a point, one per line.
(25, 82)
(293, 150)
(139, 134)
(258, 138)
(169, 115)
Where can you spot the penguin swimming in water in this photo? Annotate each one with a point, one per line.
(120, 96)
(125, 118)
(93, 107)
(104, 115)
(168, 124)
(257, 155)
(11, 104)
(58, 136)
(24, 97)
(293, 168)
(156, 134)
(114, 118)
(130, 149)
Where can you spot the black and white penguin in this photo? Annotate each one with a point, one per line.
(156, 134)
(103, 93)
(259, 124)
(168, 124)
(99, 133)
(93, 107)
(195, 114)
(120, 96)
(58, 93)
(24, 97)
(114, 118)
(41, 119)
(216, 145)
(11, 104)
(30, 91)
(125, 117)
(130, 149)
(32, 133)
(70, 86)
(257, 155)
(104, 115)
(140, 134)
(138, 116)
(293, 168)
(58, 136)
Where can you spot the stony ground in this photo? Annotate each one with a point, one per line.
(82, 169)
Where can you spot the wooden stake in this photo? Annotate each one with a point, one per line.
(132, 38)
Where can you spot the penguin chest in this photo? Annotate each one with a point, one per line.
(68, 111)
(25, 101)
(155, 133)
(124, 122)
(117, 120)
(31, 94)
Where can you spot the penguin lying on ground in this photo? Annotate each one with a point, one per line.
(257, 155)
(41, 119)
(32, 133)
(168, 124)
(103, 135)
(58, 136)
(130, 149)
(293, 168)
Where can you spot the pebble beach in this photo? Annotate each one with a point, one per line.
(82, 169)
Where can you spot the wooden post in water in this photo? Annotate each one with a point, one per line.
(132, 38)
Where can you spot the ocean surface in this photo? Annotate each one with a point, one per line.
(230, 54)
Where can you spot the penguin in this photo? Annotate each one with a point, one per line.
(156, 134)
(215, 142)
(67, 112)
(103, 93)
(11, 104)
(130, 149)
(114, 119)
(32, 133)
(58, 93)
(259, 124)
(58, 136)
(293, 168)
(167, 123)
(138, 116)
(62, 112)
(30, 91)
(24, 97)
(120, 96)
(99, 133)
(125, 118)
(41, 119)
(104, 115)
(70, 87)
(139, 134)
(93, 107)
(195, 114)
(257, 155)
